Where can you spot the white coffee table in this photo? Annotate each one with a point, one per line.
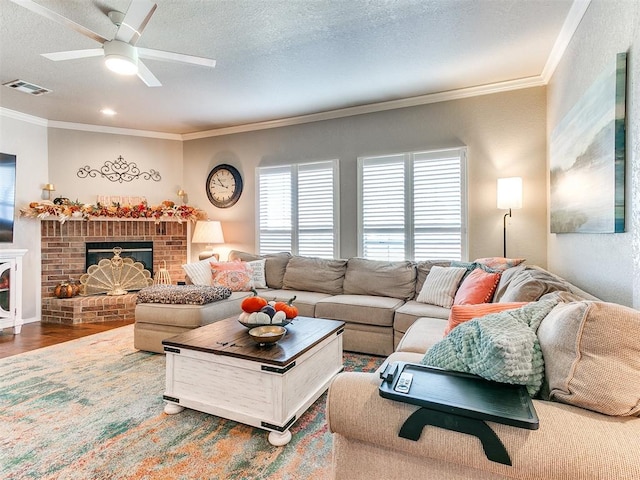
(218, 369)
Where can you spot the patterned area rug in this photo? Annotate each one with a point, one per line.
(92, 409)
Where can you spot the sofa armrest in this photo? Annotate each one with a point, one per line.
(570, 443)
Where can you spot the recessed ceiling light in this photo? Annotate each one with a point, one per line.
(108, 111)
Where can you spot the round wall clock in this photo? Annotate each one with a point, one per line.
(224, 186)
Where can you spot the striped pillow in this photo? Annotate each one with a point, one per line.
(441, 285)
(463, 313)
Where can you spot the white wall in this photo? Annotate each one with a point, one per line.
(70, 150)
(504, 132)
(27, 139)
(604, 264)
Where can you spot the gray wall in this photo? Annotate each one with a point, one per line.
(504, 133)
(607, 265)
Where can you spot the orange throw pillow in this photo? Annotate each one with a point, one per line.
(478, 287)
(463, 313)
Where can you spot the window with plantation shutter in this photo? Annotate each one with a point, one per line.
(298, 209)
(412, 206)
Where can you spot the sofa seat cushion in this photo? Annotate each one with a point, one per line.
(305, 301)
(379, 278)
(366, 309)
(422, 335)
(412, 310)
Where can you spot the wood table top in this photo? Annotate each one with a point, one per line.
(229, 337)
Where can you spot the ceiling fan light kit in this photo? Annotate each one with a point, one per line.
(121, 57)
(120, 53)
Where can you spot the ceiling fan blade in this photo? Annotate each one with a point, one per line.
(56, 17)
(175, 57)
(73, 54)
(146, 76)
(135, 20)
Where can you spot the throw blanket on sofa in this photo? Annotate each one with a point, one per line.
(501, 346)
(182, 294)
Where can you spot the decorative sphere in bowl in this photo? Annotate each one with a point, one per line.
(267, 334)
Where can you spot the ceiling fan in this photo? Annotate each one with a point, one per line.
(120, 53)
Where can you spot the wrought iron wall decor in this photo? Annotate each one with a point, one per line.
(119, 171)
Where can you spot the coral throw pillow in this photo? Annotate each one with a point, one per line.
(236, 276)
(499, 264)
(463, 313)
(477, 287)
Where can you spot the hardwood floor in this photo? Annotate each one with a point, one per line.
(37, 335)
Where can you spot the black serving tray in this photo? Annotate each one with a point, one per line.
(461, 394)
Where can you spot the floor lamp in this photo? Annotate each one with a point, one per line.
(509, 197)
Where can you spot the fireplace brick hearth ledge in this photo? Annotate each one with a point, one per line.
(63, 259)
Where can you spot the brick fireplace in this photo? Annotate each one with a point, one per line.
(63, 259)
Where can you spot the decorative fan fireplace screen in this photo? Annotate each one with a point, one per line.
(116, 276)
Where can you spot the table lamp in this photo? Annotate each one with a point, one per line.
(209, 232)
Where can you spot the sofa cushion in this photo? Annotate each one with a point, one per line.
(182, 294)
(315, 275)
(441, 285)
(412, 311)
(422, 270)
(385, 279)
(502, 347)
(199, 273)
(275, 265)
(422, 335)
(505, 278)
(592, 356)
(464, 313)
(477, 287)
(499, 264)
(237, 276)
(304, 301)
(531, 283)
(365, 309)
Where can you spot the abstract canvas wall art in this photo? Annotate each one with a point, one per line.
(588, 158)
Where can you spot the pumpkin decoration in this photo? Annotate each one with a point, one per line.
(253, 303)
(289, 309)
(64, 290)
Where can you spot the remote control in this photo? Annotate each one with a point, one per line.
(404, 382)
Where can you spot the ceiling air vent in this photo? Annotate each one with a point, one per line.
(27, 87)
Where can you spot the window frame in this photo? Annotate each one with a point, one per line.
(408, 159)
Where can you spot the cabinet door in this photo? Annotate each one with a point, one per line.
(6, 295)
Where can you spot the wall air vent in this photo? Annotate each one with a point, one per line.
(27, 87)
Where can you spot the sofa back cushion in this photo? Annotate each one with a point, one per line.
(274, 267)
(531, 283)
(384, 279)
(591, 356)
(314, 274)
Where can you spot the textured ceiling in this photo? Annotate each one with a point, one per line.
(275, 58)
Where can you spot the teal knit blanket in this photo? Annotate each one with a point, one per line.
(502, 347)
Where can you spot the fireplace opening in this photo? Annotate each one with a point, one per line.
(138, 251)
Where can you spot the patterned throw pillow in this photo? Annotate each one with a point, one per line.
(258, 276)
(441, 285)
(499, 264)
(477, 287)
(236, 276)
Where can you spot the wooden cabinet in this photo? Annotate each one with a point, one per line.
(11, 289)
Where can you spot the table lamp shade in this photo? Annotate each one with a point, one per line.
(208, 231)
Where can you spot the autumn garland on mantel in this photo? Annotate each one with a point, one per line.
(167, 211)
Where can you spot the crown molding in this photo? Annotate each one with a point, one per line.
(569, 27)
(23, 117)
(113, 130)
(506, 86)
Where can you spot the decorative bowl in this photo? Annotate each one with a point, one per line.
(267, 334)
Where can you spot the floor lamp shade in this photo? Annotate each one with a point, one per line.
(209, 232)
(509, 197)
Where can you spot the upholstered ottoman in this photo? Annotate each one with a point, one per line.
(163, 311)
